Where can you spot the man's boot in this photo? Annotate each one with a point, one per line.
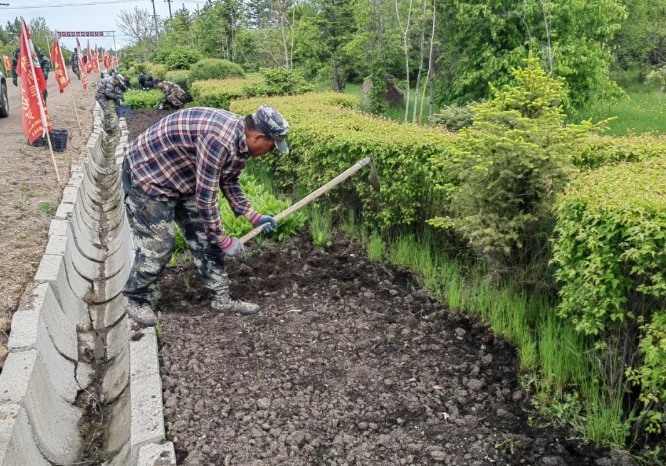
(224, 304)
(141, 312)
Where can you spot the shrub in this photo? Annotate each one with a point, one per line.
(232, 88)
(283, 81)
(178, 58)
(214, 68)
(328, 136)
(157, 70)
(598, 151)
(511, 162)
(610, 255)
(179, 77)
(454, 117)
(143, 99)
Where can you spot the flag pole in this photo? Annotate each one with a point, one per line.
(55, 165)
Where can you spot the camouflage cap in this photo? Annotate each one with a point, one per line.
(270, 122)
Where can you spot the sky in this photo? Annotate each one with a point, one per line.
(98, 15)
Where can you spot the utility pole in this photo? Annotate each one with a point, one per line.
(157, 33)
(169, 2)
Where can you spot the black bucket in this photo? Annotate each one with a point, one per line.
(59, 140)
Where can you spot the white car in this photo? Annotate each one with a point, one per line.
(4, 102)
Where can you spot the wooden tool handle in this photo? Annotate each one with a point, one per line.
(312, 196)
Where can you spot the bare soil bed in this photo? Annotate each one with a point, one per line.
(349, 363)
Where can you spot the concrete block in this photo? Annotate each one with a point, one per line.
(25, 381)
(116, 338)
(50, 316)
(69, 194)
(157, 455)
(64, 210)
(85, 234)
(116, 378)
(118, 431)
(80, 285)
(56, 245)
(58, 227)
(32, 334)
(85, 375)
(122, 458)
(88, 269)
(17, 444)
(49, 268)
(84, 242)
(71, 303)
(145, 389)
(114, 285)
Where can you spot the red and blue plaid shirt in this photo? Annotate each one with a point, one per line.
(194, 151)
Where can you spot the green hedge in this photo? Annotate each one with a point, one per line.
(606, 150)
(610, 254)
(214, 68)
(328, 136)
(179, 77)
(210, 91)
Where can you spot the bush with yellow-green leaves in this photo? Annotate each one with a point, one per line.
(328, 135)
(610, 257)
(219, 92)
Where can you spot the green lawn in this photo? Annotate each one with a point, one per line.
(394, 113)
(642, 111)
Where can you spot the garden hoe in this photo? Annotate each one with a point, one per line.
(373, 179)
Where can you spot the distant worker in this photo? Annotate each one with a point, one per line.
(172, 95)
(128, 83)
(44, 63)
(142, 81)
(150, 82)
(74, 61)
(109, 89)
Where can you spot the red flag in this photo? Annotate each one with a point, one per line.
(8, 64)
(59, 66)
(36, 120)
(89, 65)
(107, 60)
(96, 60)
(82, 65)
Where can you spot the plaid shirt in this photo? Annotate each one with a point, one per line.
(194, 151)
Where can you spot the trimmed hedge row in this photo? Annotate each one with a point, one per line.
(328, 136)
(219, 92)
(610, 254)
(599, 151)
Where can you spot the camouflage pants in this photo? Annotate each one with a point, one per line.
(106, 110)
(152, 224)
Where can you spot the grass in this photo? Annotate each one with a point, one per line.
(643, 110)
(320, 223)
(555, 360)
(47, 208)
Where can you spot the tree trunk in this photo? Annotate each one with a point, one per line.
(418, 76)
(405, 31)
(550, 50)
(431, 63)
(336, 72)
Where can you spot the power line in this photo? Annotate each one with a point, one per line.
(67, 5)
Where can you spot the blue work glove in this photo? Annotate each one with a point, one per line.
(269, 223)
(232, 246)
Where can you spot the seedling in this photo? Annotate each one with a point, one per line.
(47, 208)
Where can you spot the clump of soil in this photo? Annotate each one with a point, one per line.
(349, 363)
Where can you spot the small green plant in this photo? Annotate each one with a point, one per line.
(376, 247)
(143, 99)
(47, 208)
(321, 225)
(186, 280)
(22, 236)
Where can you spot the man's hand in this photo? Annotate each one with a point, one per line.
(15, 81)
(269, 223)
(232, 247)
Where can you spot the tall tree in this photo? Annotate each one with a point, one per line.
(336, 20)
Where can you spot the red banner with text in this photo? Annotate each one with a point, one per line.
(59, 66)
(36, 120)
(82, 65)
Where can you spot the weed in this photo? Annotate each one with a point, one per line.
(13, 182)
(376, 247)
(22, 236)
(321, 225)
(23, 188)
(186, 280)
(47, 208)
(159, 331)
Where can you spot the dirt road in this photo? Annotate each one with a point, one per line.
(29, 192)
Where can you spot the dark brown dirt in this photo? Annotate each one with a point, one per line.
(349, 362)
(143, 118)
